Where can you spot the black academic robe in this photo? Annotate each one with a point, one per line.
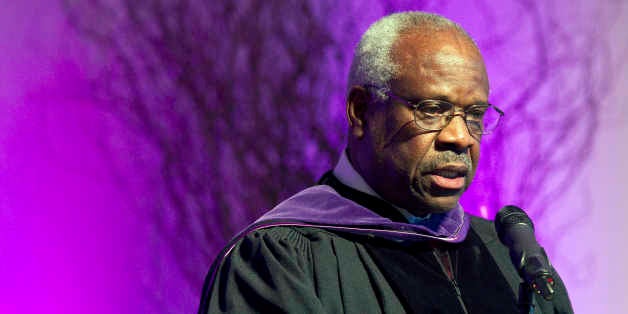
(307, 269)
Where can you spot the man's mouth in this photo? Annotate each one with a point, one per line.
(449, 177)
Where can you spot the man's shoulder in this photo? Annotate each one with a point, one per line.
(288, 233)
(288, 238)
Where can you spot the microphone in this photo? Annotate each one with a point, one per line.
(516, 231)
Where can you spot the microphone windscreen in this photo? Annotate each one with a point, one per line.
(510, 216)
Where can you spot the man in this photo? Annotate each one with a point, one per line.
(384, 231)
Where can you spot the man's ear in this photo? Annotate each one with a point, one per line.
(358, 101)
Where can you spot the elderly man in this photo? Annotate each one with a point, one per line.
(384, 232)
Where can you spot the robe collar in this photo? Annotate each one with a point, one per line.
(324, 207)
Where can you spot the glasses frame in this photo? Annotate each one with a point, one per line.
(383, 92)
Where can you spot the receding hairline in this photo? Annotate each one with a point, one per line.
(448, 39)
(373, 62)
(426, 23)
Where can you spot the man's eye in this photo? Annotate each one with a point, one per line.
(475, 126)
(432, 109)
(476, 113)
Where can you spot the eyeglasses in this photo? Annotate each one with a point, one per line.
(435, 114)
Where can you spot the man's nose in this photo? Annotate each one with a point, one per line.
(455, 135)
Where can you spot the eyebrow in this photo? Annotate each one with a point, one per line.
(480, 103)
(447, 99)
(443, 98)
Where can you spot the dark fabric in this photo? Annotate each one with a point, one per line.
(309, 269)
(481, 253)
(413, 269)
(299, 270)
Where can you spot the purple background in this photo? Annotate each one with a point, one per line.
(135, 139)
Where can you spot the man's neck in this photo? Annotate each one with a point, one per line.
(347, 175)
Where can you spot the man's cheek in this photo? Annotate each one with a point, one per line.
(406, 161)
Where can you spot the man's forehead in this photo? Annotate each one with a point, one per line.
(442, 57)
(448, 55)
(450, 60)
(443, 47)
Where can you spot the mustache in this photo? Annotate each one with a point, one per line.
(445, 157)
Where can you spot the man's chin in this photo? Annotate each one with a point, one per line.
(442, 204)
(443, 200)
(435, 201)
(432, 206)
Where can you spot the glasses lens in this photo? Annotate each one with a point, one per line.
(432, 114)
(436, 114)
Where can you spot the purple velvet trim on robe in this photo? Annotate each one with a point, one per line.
(321, 206)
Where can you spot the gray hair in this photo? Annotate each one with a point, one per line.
(372, 61)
